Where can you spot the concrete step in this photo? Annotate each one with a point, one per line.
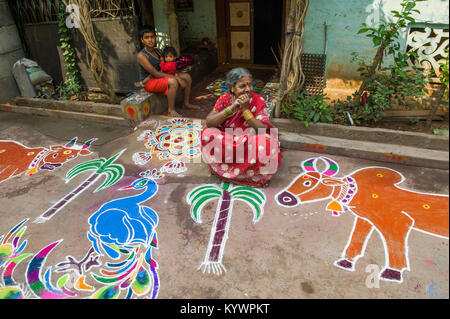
(378, 151)
(92, 117)
(72, 106)
(367, 134)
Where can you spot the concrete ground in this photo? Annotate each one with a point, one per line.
(289, 253)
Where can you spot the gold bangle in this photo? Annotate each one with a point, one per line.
(227, 112)
(247, 115)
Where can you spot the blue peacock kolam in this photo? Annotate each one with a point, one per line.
(125, 223)
(124, 228)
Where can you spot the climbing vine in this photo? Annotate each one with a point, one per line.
(71, 85)
(292, 77)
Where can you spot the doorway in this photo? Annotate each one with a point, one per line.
(248, 31)
(267, 29)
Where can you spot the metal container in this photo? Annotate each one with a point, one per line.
(10, 51)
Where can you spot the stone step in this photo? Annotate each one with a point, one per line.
(383, 152)
(368, 134)
(72, 106)
(92, 117)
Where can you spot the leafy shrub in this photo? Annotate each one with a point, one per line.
(308, 109)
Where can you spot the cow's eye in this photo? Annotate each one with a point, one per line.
(307, 183)
(55, 155)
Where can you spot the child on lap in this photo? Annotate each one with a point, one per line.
(168, 65)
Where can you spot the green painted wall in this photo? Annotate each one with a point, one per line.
(161, 25)
(344, 19)
(199, 24)
(193, 25)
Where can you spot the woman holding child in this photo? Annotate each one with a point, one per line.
(155, 80)
(239, 143)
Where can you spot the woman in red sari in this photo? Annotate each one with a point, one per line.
(239, 143)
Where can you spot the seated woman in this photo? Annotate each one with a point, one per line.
(239, 143)
(149, 60)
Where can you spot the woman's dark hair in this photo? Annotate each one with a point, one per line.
(168, 50)
(146, 29)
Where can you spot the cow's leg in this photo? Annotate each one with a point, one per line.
(395, 234)
(360, 235)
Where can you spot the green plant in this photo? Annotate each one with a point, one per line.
(385, 37)
(383, 91)
(313, 108)
(347, 111)
(444, 76)
(395, 84)
(71, 85)
(413, 120)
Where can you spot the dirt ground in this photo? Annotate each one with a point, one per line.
(419, 127)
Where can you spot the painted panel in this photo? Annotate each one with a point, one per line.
(240, 45)
(239, 14)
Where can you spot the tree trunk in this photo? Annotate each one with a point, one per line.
(439, 96)
(292, 76)
(285, 66)
(219, 235)
(375, 64)
(220, 228)
(68, 198)
(93, 54)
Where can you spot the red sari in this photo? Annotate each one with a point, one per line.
(237, 153)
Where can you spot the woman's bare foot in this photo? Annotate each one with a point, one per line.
(192, 106)
(138, 84)
(174, 113)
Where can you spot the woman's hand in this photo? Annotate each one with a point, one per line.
(243, 101)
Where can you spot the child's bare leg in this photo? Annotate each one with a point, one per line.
(183, 83)
(185, 77)
(171, 95)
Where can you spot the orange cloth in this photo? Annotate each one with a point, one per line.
(159, 85)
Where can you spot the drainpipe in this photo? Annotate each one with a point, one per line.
(10, 51)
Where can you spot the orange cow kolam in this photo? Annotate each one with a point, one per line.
(373, 196)
(16, 159)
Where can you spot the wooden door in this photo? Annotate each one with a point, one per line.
(240, 30)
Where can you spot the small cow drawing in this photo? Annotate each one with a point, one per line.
(16, 159)
(373, 196)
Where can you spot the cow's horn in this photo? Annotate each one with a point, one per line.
(88, 143)
(72, 142)
(332, 167)
(310, 165)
